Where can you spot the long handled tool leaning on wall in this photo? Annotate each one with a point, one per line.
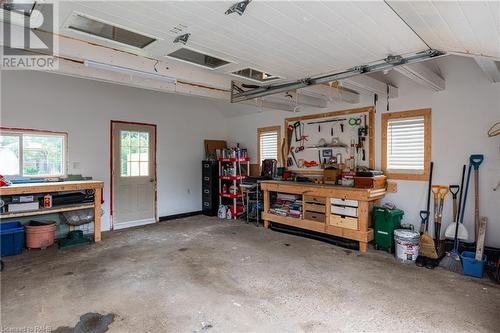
(452, 259)
(427, 250)
(475, 161)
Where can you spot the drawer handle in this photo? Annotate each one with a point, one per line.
(206, 204)
(206, 178)
(206, 191)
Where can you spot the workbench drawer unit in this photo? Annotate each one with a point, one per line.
(314, 199)
(344, 221)
(314, 208)
(314, 216)
(345, 211)
(344, 202)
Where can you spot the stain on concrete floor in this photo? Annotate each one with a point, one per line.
(238, 278)
(89, 323)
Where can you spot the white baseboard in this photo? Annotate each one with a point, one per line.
(130, 224)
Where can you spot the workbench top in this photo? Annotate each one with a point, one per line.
(15, 189)
(310, 184)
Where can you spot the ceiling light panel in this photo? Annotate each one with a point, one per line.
(197, 58)
(255, 75)
(104, 30)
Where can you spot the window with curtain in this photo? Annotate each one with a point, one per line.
(268, 140)
(29, 153)
(406, 144)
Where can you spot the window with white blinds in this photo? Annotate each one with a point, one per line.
(406, 145)
(268, 143)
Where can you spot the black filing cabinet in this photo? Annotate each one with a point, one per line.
(210, 195)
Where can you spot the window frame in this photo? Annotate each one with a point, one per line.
(427, 114)
(20, 132)
(269, 129)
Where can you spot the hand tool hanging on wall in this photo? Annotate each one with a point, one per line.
(475, 161)
(354, 121)
(298, 131)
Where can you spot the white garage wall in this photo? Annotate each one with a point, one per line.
(461, 116)
(84, 108)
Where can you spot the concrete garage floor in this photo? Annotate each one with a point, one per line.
(200, 274)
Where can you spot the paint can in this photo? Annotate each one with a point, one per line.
(407, 244)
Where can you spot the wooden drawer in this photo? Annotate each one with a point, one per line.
(344, 221)
(314, 208)
(345, 211)
(344, 202)
(314, 199)
(313, 216)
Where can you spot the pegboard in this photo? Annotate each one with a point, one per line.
(323, 128)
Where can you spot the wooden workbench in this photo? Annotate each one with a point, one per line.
(50, 187)
(365, 199)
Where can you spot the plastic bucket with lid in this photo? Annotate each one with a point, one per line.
(407, 244)
(40, 235)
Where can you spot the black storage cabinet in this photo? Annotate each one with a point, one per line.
(210, 195)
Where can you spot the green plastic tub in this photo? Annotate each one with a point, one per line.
(385, 221)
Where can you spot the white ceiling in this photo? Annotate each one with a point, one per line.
(297, 39)
(464, 27)
(289, 39)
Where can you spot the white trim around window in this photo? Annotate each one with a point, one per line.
(33, 153)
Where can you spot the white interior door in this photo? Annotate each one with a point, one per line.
(134, 174)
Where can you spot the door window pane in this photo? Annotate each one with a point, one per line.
(9, 155)
(43, 155)
(134, 158)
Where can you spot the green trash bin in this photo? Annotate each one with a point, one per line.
(385, 221)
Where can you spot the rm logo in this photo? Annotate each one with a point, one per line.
(28, 39)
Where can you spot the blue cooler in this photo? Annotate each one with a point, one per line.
(12, 238)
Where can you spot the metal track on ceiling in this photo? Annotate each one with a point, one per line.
(240, 95)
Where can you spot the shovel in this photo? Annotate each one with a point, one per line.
(475, 161)
(457, 229)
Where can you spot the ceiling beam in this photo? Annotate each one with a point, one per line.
(423, 75)
(489, 67)
(365, 83)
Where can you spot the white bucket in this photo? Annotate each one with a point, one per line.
(407, 244)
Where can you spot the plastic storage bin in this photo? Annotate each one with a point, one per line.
(12, 238)
(385, 221)
(471, 266)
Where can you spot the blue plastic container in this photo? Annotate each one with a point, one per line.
(471, 266)
(12, 238)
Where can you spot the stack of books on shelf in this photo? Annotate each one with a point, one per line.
(289, 205)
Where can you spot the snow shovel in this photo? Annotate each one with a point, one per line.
(457, 228)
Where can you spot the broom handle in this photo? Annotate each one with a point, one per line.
(429, 194)
(455, 241)
(476, 203)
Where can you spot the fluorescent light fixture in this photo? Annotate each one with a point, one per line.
(130, 71)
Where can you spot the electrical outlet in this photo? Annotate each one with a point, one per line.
(76, 165)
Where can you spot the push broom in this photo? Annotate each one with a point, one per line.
(451, 261)
(427, 248)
